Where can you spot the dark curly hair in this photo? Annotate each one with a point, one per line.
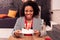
(34, 6)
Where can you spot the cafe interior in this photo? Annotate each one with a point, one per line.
(49, 13)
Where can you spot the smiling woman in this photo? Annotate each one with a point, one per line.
(28, 22)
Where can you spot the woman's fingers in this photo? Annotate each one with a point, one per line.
(36, 31)
(17, 33)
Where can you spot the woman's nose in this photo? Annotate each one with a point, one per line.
(28, 12)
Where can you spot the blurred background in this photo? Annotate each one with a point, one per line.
(50, 12)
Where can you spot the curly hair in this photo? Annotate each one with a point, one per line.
(34, 5)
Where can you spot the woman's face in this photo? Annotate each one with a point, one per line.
(28, 12)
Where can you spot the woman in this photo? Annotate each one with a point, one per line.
(28, 20)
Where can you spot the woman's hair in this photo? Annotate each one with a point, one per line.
(33, 4)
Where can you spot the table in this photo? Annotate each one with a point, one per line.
(28, 38)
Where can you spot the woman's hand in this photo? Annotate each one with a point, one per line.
(17, 33)
(36, 33)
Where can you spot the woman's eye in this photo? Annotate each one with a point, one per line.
(26, 10)
(31, 10)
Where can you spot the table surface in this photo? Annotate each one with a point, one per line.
(28, 38)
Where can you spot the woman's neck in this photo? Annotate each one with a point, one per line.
(29, 20)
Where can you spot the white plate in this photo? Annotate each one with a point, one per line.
(25, 31)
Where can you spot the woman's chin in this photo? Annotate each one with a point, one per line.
(29, 18)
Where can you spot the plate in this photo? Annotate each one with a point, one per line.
(25, 31)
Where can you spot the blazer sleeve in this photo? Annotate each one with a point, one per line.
(39, 27)
(17, 24)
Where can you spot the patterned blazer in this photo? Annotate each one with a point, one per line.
(37, 24)
(20, 24)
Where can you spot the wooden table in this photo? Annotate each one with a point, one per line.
(28, 38)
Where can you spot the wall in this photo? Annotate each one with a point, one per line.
(5, 5)
(55, 8)
(55, 4)
(56, 16)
